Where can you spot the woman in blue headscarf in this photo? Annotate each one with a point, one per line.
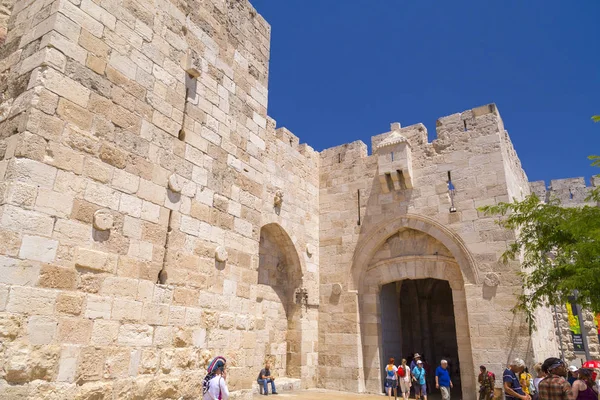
(214, 385)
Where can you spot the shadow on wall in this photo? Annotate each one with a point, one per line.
(279, 278)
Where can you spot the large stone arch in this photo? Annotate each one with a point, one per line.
(279, 277)
(372, 240)
(368, 276)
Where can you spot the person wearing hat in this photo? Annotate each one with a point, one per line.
(418, 376)
(572, 374)
(214, 385)
(413, 363)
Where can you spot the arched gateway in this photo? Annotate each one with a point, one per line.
(407, 273)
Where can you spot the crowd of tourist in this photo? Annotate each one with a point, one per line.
(552, 381)
(403, 379)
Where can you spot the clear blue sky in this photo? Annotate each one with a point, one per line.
(342, 70)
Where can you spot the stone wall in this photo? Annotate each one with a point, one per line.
(139, 166)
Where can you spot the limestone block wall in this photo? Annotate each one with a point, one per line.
(133, 197)
(474, 147)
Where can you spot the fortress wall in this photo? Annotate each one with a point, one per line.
(469, 144)
(108, 145)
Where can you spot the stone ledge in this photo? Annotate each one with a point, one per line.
(282, 384)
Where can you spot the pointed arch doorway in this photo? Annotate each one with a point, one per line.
(408, 249)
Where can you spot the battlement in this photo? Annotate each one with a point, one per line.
(286, 136)
(449, 129)
(570, 191)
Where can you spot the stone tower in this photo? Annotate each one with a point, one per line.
(140, 231)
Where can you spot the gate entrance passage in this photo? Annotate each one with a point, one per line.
(417, 316)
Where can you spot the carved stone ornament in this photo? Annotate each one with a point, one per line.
(103, 220)
(491, 279)
(278, 201)
(336, 289)
(221, 254)
(175, 183)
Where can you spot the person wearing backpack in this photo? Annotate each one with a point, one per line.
(404, 379)
(391, 381)
(487, 381)
(214, 386)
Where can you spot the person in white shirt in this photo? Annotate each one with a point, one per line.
(215, 385)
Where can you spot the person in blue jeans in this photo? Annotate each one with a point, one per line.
(265, 377)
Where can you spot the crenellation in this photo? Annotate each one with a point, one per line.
(569, 191)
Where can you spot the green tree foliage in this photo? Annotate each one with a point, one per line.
(560, 247)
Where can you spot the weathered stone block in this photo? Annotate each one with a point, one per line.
(95, 260)
(74, 330)
(27, 300)
(98, 307)
(26, 221)
(105, 333)
(135, 335)
(41, 329)
(52, 276)
(90, 364)
(70, 303)
(68, 364)
(126, 310)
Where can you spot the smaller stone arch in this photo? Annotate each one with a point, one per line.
(279, 279)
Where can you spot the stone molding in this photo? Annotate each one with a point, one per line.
(371, 241)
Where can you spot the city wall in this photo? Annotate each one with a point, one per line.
(140, 172)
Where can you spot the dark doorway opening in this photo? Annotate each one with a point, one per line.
(417, 316)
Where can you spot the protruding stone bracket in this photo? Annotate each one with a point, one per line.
(395, 161)
(336, 289)
(103, 220)
(175, 183)
(193, 64)
(491, 279)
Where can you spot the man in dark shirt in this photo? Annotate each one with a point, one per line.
(512, 386)
(265, 377)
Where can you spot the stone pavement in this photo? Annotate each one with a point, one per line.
(320, 394)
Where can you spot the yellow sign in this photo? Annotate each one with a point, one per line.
(573, 321)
